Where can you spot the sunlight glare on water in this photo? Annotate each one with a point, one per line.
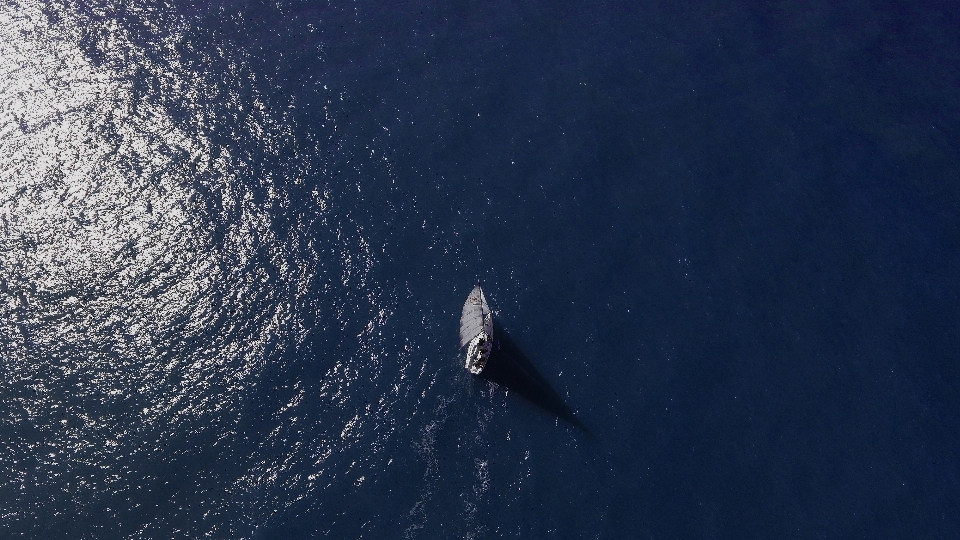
(149, 292)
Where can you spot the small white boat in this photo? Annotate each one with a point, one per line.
(476, 330)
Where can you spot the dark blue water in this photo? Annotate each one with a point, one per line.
(235, 240)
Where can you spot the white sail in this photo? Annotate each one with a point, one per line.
(476, 318)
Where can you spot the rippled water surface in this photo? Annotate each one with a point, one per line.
(198, 336)
(236, 239)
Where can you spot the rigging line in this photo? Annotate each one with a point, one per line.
(480, 301)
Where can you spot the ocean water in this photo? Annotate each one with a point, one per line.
(235, 239)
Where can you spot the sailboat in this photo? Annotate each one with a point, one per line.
(476, 330)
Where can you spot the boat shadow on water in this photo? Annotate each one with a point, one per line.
(509, 367)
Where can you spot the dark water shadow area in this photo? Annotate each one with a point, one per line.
(510, 367)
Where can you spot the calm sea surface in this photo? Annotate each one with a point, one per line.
(235, 238)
